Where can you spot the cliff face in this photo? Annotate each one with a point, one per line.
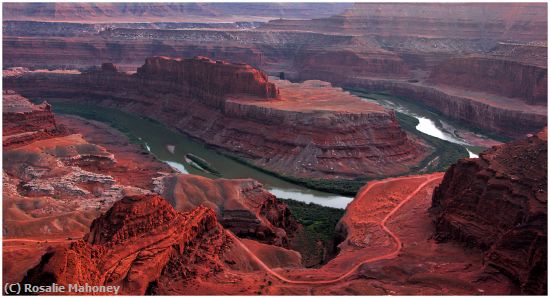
(55, 180)
(499, 115)
(137, 242)
(499, 204)
(347, 62)
(202, 76)
(242, 205)
(23, 122)
(394, 41)
(54, 186)
(498, 76)
(517, 21)
(45, 164)
(309, 131)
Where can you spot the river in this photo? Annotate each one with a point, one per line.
(428, 123)
(171, 147)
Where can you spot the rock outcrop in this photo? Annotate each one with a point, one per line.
(498, 203)
(503, 116)
(54, 187)
(137, 242)
(23, 122)
(242, 205)
(514, 21)
(310, 131)
(56, 181)
(202, 77)
(464, 50)
(499, 76)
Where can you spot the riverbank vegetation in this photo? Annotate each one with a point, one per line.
(319, 221)
(317, 242)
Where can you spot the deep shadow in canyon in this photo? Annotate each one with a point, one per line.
(86, 200)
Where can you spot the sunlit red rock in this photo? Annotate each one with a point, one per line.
(56, 181)
(483, 64)
(204, 77)
(242, 205)
(139, 240)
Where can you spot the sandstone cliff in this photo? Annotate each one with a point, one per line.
(54, 186)
(138, 241)
(514, 21)
(204, 77)
(23, 121)
(338, 63)
(498, 203)
(499, 115)
(55, 180)
(370, 40)
(242, 205)
(497, 76)
(310, 131)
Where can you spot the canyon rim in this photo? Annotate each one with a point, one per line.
(196, 148)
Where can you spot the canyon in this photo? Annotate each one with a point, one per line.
(360, 267)
(54, 185)
(23, 122)
(324, 135)
(146, 155)
(372, 46)
(154, 237)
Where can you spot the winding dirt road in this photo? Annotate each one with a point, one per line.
(390, 255)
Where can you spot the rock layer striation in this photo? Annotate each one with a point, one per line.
(498, 203)
(242, 206)
(23, 122)
(308, 131)
(138, 241)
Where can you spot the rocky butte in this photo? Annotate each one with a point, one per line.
(499, 203)
(82, 204)
(458, 68)
(305, 132)
(55, 185)
(56, 180)
(172, 244)
(242, 205)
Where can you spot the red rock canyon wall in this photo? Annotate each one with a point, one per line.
(498, 202)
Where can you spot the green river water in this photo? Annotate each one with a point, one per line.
(171, 147)
(158, 139)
